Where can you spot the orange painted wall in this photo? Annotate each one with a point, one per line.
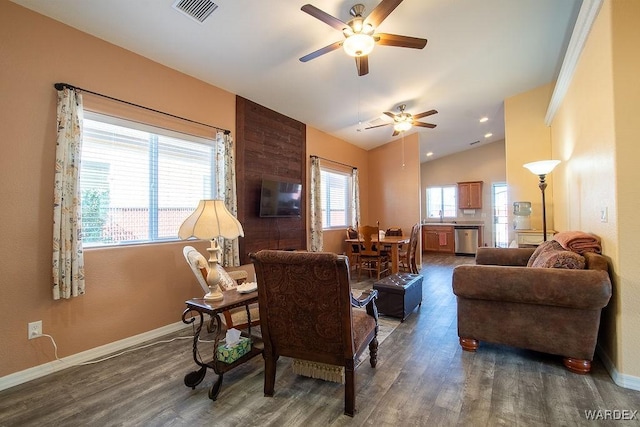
(328, 147)
(128, 290)
(394, 184)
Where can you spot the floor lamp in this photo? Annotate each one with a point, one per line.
(542, 169)
(211, 220)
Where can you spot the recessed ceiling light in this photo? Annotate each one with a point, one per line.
(484, 119)
(488, 135)
(430, 153)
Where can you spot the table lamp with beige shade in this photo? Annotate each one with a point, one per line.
(211, 220)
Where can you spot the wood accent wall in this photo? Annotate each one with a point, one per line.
(268, 145)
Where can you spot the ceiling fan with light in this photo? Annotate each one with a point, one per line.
(359, 33)
(402, 121)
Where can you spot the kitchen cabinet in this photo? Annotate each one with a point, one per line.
(470, 195)
(438, 238)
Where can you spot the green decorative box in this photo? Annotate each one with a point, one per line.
(230, 355)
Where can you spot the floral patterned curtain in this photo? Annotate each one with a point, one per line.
(316, 206)
(68, 258)
(355, 196)
(226, 189)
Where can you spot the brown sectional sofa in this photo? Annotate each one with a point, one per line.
(551, 310)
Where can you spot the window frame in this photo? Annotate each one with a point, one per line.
(155, 194)
(348, 208)
(443, 203)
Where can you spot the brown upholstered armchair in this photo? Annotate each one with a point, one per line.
(551, 310)
(306, 313)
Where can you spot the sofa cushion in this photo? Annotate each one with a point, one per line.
(551, 254)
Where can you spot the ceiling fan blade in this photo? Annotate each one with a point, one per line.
(400, 41)
(425, 114)
(362, 64)
(381, 11)
(324, 17)
(424, 125)
(377, 126)
(390, 114)
(322, 51)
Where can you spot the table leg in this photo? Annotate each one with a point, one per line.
(395, 259)
(215, 388)
(192, 379)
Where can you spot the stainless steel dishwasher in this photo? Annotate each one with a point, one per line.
(466, 239)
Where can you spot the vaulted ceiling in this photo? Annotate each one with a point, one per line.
(478, 53)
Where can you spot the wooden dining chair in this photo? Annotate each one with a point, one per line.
(372, 257)
(408, 254)
(353, 248)
(393, 231)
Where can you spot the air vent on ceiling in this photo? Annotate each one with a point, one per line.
(474, 142)
(198, 10)
(378, 121)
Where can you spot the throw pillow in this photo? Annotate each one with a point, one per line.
(544, 248)
(560, 259)
(226, 282)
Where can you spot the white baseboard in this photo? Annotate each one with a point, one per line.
(623, 380)
(85, 356)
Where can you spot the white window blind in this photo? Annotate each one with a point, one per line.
(336, 198)
(140, 182)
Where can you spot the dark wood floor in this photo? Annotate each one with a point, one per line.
(423, 378)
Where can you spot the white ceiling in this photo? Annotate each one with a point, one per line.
(478, 53)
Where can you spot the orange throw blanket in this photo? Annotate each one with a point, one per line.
(578, 241)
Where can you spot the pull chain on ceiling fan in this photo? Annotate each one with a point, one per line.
(359, 33)
(403, 121)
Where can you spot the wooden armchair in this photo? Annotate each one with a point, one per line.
(306, 312)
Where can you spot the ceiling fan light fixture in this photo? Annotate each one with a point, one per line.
(358, 45)
(402, 126)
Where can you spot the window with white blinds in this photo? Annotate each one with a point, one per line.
(442, 201)
(336, 198)
(138, 182)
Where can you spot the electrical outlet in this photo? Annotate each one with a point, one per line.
(35, 329)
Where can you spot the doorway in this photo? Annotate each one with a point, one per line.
(500, 216)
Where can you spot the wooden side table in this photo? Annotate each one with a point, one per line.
(232, 299)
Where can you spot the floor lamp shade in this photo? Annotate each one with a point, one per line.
(211, 220)
(542, 169)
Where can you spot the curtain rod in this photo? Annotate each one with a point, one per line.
(61, 86)
(333, 161)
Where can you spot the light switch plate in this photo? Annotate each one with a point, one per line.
(604, 214)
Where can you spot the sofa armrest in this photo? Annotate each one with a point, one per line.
(580, 289)
(504, 256)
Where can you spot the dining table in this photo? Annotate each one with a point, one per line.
(394, 242)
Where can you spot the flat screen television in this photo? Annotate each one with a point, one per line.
(280, 199)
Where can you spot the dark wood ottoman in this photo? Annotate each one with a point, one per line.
(399, 294)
